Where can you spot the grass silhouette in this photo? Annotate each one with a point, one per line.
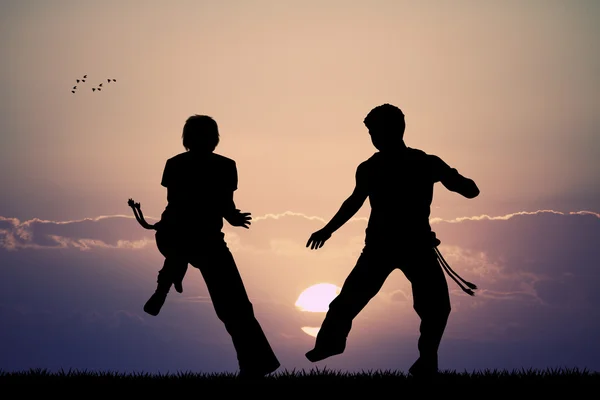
(282, 382)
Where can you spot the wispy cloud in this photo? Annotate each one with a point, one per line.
(512, 215)
(87, 233)
(194, 299)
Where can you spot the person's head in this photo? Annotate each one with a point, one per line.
(200, 134)
(386, 126)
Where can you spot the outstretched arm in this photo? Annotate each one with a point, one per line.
(453, 180)
(348, 209)
(139, 216)
(464, 186)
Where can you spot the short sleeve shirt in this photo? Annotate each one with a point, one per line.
(198, 188)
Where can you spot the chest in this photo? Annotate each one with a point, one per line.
(398, 180)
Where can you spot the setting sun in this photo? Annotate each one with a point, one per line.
(317, 297)
(311, 330)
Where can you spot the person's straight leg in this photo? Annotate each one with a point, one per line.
(234, 309)
(431, 301)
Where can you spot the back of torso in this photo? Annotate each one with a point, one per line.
(198, 187)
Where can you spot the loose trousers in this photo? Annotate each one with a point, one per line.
(227, 292)
(431, 299)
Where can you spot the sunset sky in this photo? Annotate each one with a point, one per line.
(507, 92)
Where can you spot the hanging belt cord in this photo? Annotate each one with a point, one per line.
(470, 286)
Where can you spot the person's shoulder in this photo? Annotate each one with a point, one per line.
(370, 161)
(177, 158)
(417, 152)
(423, 155)
(222, 160)
(369, 164)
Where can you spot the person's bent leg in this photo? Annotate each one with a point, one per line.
(166, 241)
(361, 285)
(164, 281)
(234, 309)
(178, 275)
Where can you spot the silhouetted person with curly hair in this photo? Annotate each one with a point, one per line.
(200, 186)
(398, 181)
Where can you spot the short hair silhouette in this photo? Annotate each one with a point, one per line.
(387, 117)
(200, 133)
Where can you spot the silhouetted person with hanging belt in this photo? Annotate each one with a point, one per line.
(398, 181)
(200, 186)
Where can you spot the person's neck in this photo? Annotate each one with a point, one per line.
(199, 153)
(398, 148)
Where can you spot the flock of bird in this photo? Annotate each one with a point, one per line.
(96, 88)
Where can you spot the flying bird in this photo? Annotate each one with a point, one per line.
(82, 79)
(97, 88)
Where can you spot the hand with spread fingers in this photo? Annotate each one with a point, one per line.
(318, 239)
(239, 218)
